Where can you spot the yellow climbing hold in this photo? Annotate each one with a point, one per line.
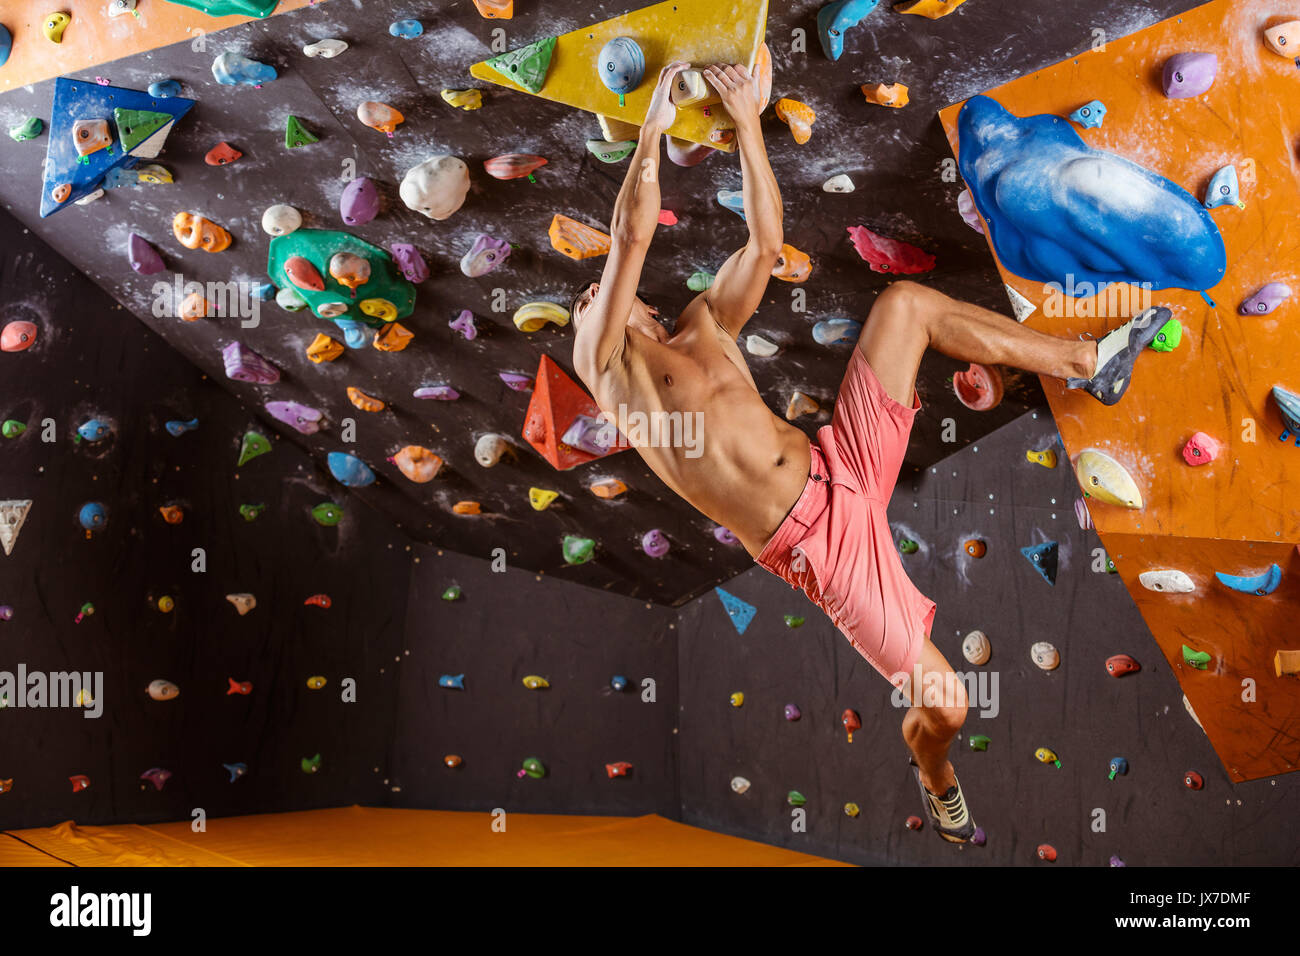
(539, 498)
(533, 682)
(1046, 457)
(1103, 478)
(533, 315)
(464, 99)
(930, 9)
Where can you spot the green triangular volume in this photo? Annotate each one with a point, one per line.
(527, 65)
(135, 126)
(295, 134)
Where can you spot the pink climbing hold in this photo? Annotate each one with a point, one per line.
(655, 543)
(667, 217)
(725, 536)
(464, 324)
(245, 365)
(1081, 514)
(144, 257)
(1201, 449)
(409, 262)
(883, 254)
(966, 206)
(979, 388)
(517, 381)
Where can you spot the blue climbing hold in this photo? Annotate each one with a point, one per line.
(354, 333)
(1044, 559)
(1260, 584)
(740, 612)
(835, 331)
(618, 682)
(93, 430)
(120, 177)
(350, 470)
(1224, 189)
(1090, 115)
(178, 428)
(406, 29)
(162, 89)
(1058, 209)
(264, 291)
(452, 681)
(834, 18)
(236, 770)
(234, 69)
(6, 44)
(621, 65)
(93, 516)
(1288, 405)
(733, 199)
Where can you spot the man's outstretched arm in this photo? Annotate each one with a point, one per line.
(636, 215)
(738, 289)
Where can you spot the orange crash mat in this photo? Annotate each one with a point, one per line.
(369, 836)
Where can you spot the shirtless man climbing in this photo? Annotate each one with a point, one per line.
(813, 513)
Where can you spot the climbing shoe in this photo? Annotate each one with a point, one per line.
(1117, 352)
(947, 814)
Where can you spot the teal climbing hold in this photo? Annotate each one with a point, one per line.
(792, 621)
(1044, 559)
(1259, 584)
(740, 612)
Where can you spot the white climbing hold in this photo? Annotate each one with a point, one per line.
(280, 220)
(1021, 306)
(757, 345)
(489, 449)
(12, 515)
(326, 49)
(1045, 656)
(975, 647)
(436, 188)
(243, 602)
(838, 184)
(1167, 581)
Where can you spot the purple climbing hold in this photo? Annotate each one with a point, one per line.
(1116, 861)
(517, 381)
(1267, 299)
(792, 712)
(410, 262)
(360, 202)
(966, 207)
(655, 543)
(245, 365)
(6, 612)
(485, 255)
(443, 393)
(725, 536)
(301, 417)
(1081, 514)
(980, 838)
(1189, 74)
(144, 257)
(594, 436)
(464, 324)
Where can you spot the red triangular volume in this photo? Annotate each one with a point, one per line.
(557, 403)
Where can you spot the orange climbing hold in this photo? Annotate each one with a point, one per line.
(762, 74)
(556, 406)
(194, 307)
(420, 465)
(393, 337)
(575, 240)
(513, 165)
(363, 401)
(893, 95)
(324, 349)
(495, 9)
(172, 514)
(792, 265)
(467, 508)
(607, 488)
(798, 116)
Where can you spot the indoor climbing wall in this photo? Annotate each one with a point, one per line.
(893, 157)
(745, 768)
(213, 679)
(1191, 131)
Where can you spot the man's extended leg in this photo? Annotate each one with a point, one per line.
(908, 318)
(935, 718)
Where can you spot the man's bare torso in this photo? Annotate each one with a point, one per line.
(745, 467)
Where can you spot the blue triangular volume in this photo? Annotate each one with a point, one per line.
(740, 612)
(86, 100)
(1043, 557)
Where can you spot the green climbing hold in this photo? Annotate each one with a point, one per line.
(979, 742)
(228, 8)
(1167, 339)
(608, 152)
(12, 428)
(250, 512)
(795, 798)
(29, 128)
(792, 621)
(311, 764)
(534, 768)
(578, 550)
(295, 134)
(699, 281)
(1110, 567)
(452, 593)
(327, 513)
(527, 65)
(253, 445)
(1198, 659)
(336, 300)
(135, 126)
(908, 546)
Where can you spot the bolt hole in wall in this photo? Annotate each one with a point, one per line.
(533, 624)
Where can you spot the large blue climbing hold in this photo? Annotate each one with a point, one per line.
(350, 470)
(834, 18)
(621, 65)
(733, 199)
(6, 44)
(354, 333)
(740, 612)
(1044, 559)
(1058, 209)
(1259, 584)
(835, 331)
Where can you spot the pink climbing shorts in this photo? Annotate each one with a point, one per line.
(836, 544)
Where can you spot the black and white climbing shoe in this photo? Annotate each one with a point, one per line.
(947, 814)
(1117, 353)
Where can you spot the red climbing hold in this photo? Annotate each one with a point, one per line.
(913, 823)
(1193, 780)
(1121, 664)
(889, 255)
(319, 600)
(1047, 852)
(979, 388)
(667, 217)
(557, 406)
